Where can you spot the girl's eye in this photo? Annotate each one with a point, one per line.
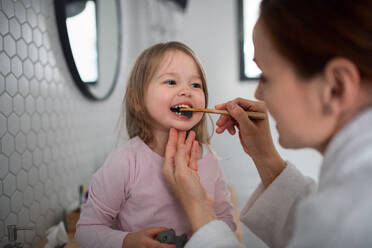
(196, 85)
(170, 82)
(262, 78)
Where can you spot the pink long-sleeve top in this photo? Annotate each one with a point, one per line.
(130, 188)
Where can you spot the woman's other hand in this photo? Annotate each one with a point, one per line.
(145, 239)
(180, 172)
(254, 135)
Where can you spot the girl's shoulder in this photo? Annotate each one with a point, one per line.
(208, 154)
(131, 146)
(126, 152)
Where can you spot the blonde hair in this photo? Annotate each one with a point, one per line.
(138, 120)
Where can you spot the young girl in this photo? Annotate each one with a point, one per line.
(130, 187)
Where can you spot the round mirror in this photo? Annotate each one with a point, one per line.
(90, 35)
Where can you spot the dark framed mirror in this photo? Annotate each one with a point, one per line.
(90, 34)
(247, 16)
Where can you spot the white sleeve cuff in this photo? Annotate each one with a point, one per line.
(215, 234)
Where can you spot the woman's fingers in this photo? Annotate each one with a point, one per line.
(194, 156)
(189, 141)
(238, 114)
(170, 152)
(237, 117)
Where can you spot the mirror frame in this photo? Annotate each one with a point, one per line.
(243, 75)
(60, 12)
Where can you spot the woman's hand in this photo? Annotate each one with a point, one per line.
(180, 172)
(254, 135)
(145, 239)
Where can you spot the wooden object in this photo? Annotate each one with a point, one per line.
(251, 115)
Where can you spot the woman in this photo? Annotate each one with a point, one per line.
(316, 62)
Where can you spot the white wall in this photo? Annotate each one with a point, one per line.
(210, 29)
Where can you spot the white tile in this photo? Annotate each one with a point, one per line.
(41, 140)
(33, 52)
(34, 211)
(9, 45)
(15, 163)
(4, 168)
(35, 122)
(5, 104)
(4, 63)
(40, 105)
(36, 6)
(19, 104)
(39, 191)
(30, 104)
(7, 144)
(33, 176)
(11, 84)
(13, 124)
(27, 160)
(31, 141)
(24, 217)
(38, 38)
(34, 87)
(4, 24)
(20, 12)
(45, 121)
(4, 206)
(9, 185)
(39, 71)
(26, 32)
(15, 28)
(8, 8)
(3, 123)
(28, 68)
(25, 122)
(22, 49)
(43, 173)
(37, 156)
(28, 196)
(43, 56)
(31, 17)
(23, 86)
(16, 202)
(2, 82)
(20, 142)
(22, 181)
(16, 66)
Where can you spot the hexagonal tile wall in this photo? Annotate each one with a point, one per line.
(45, 129)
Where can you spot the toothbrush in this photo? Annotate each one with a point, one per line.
(251, 115)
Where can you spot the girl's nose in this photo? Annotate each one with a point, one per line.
(184, 92)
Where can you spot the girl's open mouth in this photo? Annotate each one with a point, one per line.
(176, 109)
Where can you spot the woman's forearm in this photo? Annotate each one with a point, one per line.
(199, 214)
(269, 167)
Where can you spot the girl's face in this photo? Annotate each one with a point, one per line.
(294, 103)
(177, 82)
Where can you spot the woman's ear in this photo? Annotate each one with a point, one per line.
(342, 86)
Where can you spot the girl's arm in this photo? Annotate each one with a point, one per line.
(109, 187)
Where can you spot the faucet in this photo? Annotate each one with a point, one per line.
(12, 236)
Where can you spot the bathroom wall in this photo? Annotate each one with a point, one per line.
(52, 138)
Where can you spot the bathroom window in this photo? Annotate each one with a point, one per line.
(247, 16)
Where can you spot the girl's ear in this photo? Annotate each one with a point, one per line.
(134, 102)
(342, 85)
